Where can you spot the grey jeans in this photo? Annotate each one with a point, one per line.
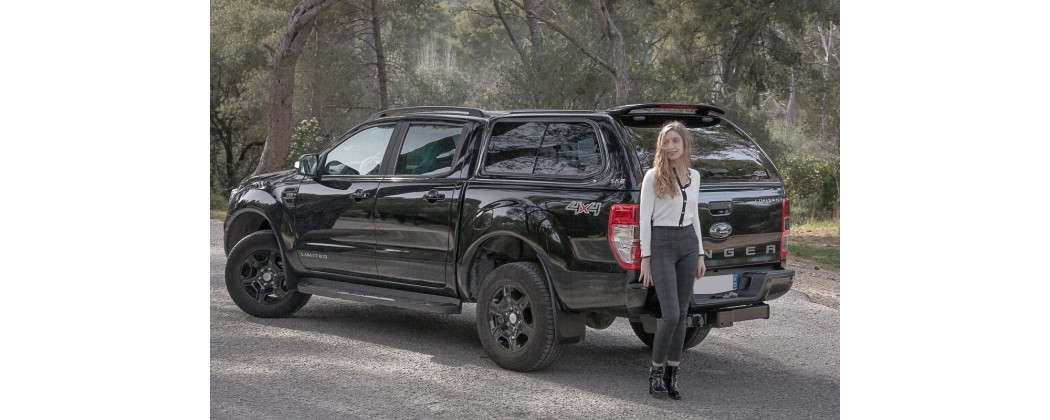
(673, 261)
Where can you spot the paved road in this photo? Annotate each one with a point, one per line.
(348, 360)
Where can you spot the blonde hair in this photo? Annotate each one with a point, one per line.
(666, 185)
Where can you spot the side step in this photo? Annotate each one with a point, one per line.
(380, 296)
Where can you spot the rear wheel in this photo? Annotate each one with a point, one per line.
(515, 318)
(693, 335)
(255, 278)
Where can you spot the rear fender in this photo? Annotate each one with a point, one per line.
(571, 326)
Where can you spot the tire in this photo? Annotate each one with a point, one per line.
(693, 335)
(515, 318)
(255, 278)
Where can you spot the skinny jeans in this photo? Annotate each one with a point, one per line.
(673, 262)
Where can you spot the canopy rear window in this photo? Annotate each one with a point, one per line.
(721, 153)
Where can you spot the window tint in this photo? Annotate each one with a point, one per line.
(720, 152)
(428, 149)
(360, 154)
(543, 148)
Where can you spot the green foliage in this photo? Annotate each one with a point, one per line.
(825, 255)
(219, 206)
(306, 138)
(812, 185)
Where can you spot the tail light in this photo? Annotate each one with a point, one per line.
(623, 235)
(785, 229)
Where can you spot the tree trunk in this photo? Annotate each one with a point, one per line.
(534, 25)
(620, 72)
(792, 103)
(282, 84)
(384, 101)
(510, 33)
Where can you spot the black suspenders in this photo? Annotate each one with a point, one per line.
(685, 198)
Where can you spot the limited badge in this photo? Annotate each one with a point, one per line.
(581, 208)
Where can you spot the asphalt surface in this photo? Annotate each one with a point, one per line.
(349, 360)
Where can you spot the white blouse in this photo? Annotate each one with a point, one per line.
(667, 212)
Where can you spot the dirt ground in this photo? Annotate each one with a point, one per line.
(820, 282)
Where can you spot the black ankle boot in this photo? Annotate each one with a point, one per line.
(657, 387)
(671, 378)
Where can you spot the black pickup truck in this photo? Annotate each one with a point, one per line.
(531, 214)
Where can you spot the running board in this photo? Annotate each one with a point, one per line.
(380, 296)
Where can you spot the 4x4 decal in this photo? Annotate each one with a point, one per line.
(580, 208)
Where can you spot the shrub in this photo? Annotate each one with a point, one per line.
(812, 186)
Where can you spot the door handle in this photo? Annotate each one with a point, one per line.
(433, 196)
(359, 195)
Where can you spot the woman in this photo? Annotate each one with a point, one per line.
(672, 249)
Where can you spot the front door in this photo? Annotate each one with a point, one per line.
(333, 213)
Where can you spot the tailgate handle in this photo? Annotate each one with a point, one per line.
(720, 208)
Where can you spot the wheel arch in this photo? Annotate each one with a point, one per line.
(244, 222)
(492, 250)
(502, 247)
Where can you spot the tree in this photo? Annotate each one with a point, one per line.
(282, 86)
(240, 68)
(619, 67)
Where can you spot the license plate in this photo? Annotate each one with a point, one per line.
(707, 285)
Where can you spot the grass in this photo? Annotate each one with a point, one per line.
(218, 207)
(817, 241)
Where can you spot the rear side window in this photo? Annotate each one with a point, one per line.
(569, 149)
(428, 149)
(720, 151)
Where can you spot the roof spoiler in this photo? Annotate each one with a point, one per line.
(473, 112)
(698, 109)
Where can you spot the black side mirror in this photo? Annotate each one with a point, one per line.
(307, 165)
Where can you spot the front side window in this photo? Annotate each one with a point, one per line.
(361, 154)
(428, 149)
(543, 148)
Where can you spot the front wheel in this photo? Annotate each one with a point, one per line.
(255, 278)
(693, 335)
(515, 318)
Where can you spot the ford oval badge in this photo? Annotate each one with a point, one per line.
(720, 230)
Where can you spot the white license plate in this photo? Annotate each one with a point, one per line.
(707, 285)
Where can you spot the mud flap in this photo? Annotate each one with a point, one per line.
(571, 326)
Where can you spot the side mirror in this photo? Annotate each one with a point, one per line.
(307, 165)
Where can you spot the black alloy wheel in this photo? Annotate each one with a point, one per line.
(515, 318)
(510, 317)
(255, 278)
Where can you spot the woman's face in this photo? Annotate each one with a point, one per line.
(673, 145)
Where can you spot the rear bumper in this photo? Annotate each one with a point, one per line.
(755, 287)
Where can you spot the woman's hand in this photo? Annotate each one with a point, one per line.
(646, 273)
(701, 268)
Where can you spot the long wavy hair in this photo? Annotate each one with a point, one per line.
(666, 186)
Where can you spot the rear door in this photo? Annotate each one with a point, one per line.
(415, 203)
